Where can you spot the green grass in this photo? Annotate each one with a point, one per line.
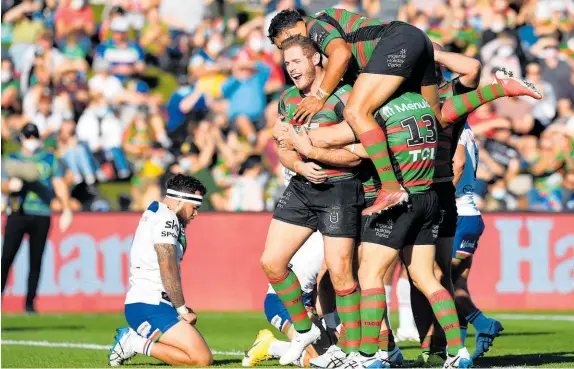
(532, 343)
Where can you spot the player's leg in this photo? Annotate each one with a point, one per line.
(374, 263)
(160, 334)
(370, 91)
(275, 260)
(407, 330)
(420, 260)
(388, 283)
(469, 230)
(292, 217)
(505, 85)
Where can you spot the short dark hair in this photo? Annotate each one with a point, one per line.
(186, 184)
(309, 46)
(285, 19)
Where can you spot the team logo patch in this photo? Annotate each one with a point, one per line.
(144, 329)
(276, 322)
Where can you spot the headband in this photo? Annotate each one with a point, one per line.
(185, 197)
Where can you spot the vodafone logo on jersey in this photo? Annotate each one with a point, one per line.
(522, 262)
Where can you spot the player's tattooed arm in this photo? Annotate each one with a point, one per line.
(169, 271)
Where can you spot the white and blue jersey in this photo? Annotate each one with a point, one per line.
(147, 307)
(469, 225)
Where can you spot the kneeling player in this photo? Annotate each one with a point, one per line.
(160, 324)
(327, 198)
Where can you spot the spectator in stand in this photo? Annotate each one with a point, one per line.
(26, 25)
(499, 163)
(245, 91)
(73, 92)
(155, 39)
(75, 19)
(544, 109)
(114, 12)
(47, 121)
(555, 71)
(76, 156)
(247, 188)
(102, 131)
(137, 144)
(11, 99)
(125, 57)
(205, 70)
(546, 166)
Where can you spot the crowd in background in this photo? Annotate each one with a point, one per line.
(127, 92)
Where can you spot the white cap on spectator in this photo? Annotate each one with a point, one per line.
(101, 65)
(120, 24)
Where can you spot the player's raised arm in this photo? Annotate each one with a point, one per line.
(466, 67)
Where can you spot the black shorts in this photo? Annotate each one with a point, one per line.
(447, 204)
(416, 224)
(404, 51)
(334, 208)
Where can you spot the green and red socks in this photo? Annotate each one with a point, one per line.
(461, 105)
(375, 143)
(289, 291)
(373, 305)
(348, 307)
(445, 312)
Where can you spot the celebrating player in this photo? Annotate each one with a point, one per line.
(458, 97)
(380, 59)
(161, 325)
(307, 265)
(327, 198)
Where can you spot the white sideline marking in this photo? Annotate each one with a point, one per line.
(568, 318)
(89, 346)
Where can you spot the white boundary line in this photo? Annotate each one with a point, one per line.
(88, 346)
(567, 318)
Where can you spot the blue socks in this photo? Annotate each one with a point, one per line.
(479, 321)
(463, 334)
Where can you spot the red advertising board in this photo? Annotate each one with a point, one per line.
(524, 262)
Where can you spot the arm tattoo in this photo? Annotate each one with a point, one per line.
(169, 271)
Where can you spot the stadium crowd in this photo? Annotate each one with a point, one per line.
(130, 91)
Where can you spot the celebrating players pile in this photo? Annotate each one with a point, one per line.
(377, 99)
(378, 156)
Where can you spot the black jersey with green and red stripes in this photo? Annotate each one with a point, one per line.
(362, 34)
(331, 114)
(448, 137)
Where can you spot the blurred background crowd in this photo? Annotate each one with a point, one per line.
(126, 92)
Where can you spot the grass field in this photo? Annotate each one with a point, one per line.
(532, 341)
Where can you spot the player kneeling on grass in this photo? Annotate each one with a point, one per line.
(161, 326)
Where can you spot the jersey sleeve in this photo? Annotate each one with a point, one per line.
(463, 140)
(322, 33)
(281, 106)
(458, 88)
(166, 230)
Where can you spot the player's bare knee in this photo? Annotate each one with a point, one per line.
(271, 267)
(352, 114)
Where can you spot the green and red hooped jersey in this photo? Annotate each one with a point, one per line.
(370, 179)
(362, 34)
(448, 137)
(331, 114)
(411, 131)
